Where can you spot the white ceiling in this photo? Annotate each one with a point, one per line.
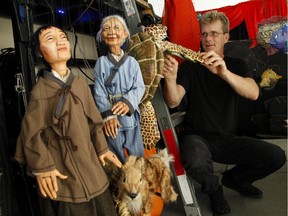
(199, 5)
(202, 5)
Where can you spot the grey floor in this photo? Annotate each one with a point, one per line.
(273, 203)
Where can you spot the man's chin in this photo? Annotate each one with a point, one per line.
(209, 48)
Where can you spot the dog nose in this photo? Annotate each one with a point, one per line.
(133, 195)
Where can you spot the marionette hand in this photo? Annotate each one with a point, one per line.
(111, 127)
(120, 108)
(214, 63)
(111, 157)
(47, 183)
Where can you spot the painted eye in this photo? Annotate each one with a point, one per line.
(117, 28)
(106, 28)
(63, 36)
(50, 38)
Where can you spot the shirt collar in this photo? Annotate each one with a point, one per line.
(118, 57)
(62, 78)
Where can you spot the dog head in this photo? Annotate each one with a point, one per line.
(141, 178)
(133, 186)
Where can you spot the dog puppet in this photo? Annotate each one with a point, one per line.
(140, 180)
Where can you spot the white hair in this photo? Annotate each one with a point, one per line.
(121, 20)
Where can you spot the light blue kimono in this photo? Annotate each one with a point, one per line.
(127, 86)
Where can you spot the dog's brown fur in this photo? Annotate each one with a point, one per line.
(140, 180)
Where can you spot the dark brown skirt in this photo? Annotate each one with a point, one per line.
(101, 205)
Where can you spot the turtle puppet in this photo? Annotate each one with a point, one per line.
(148, 49)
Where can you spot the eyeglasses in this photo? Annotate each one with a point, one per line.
(214, 34)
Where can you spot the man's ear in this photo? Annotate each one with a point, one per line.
(227, 36)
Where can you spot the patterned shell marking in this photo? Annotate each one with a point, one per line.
(151, 60)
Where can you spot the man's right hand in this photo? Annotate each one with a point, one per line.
(173, 93)
(170, 68)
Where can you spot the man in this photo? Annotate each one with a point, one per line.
(212, 90)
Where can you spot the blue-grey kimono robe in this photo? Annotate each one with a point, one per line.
(127, 86)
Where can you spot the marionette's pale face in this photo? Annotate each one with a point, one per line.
(113, 33)
(54, 45)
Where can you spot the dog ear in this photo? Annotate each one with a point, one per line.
(140, 164)
(167, 191)
(165, 157)
(131, 160)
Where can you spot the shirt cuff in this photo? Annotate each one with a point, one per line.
(109, 117)
(36, 174)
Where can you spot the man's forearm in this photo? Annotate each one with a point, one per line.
(171, 94)
(243, 86)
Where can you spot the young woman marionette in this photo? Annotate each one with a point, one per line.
(61, 140)
(118, 89)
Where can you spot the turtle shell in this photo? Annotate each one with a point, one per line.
(151, 60)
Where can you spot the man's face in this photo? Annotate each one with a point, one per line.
(54, 45)
(213, 38)
(113, 32)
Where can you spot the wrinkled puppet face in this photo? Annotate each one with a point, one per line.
(113, 33)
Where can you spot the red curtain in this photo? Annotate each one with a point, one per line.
(181, 19)
(253, 12)
(183, 27)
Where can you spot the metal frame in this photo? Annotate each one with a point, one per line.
(22, 32)
(167, 125)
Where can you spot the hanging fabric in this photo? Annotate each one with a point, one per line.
(183, 27)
